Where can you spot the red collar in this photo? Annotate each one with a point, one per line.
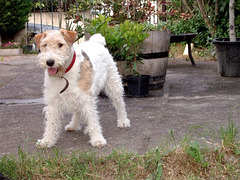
(71, 65)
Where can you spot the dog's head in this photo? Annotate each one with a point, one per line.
(56, 50)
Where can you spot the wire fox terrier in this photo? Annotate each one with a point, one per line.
(75, 74)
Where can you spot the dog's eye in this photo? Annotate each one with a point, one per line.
(60, 45)
(45, 45)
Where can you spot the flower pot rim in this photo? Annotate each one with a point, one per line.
(226, 41)
(141, 76)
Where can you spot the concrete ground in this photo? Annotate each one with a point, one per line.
(191, 96)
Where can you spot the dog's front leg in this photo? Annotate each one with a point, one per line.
(89, 110)
(52, 127)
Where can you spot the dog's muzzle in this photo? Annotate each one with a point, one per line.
(51, 70)
(50, 62)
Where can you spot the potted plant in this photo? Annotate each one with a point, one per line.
(138, 49)
(133, 35)
(228, 49)
(124, 42)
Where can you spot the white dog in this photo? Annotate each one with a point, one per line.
(74, 77)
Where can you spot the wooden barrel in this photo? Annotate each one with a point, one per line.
(155, 59)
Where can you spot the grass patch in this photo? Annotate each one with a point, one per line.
(188, 159)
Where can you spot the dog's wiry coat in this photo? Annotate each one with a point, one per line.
(93, 71)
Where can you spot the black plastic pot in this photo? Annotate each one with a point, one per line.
(228, 56)
(138, 86)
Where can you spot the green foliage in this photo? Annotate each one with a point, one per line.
(158, 159)
(194, 150)
(99, 25)
(133, 35)
(222, 19)
(160, 26)
(80, 5)
(193, 25)
(124, 40)
(218, 17)
(14, 14)
(229, 134)
(49, 5)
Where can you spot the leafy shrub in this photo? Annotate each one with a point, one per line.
(124, 40)
(14, 14)
(50, 5)
(218, 17)
(193, 25)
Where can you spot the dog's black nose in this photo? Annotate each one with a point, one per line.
(50, 62)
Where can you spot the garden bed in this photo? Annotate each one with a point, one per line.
(11, 52)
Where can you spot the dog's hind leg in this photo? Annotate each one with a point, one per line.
(114, 91)
(74, 125)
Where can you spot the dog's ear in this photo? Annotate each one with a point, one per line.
(69, 36)
(38, 38)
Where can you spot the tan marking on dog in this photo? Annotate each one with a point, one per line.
(86, 74)
(69, 36)
(39, 37)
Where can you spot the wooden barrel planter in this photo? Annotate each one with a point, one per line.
(155, 59)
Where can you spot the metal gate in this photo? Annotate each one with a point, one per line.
(57, 14)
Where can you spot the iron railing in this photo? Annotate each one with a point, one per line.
(51, 14)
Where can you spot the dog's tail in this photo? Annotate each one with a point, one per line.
(98, 38)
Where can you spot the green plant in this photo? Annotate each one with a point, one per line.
(160, 26)
(228, 135)
(51, 5)
(133, 36)
(14, 14)
(81, 5)
(194, 24)
(99, 25)
(124, 40)
(39, 5)
(194, 150)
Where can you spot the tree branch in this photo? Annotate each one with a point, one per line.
(205, 18)
(188, 6)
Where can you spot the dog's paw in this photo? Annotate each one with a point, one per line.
(70, 128)
(98, 142)
(124, 123)
(42, 143)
